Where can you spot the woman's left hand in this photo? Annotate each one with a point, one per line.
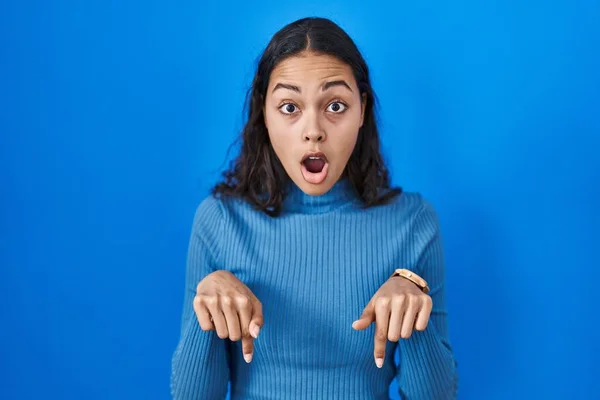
(394, 309)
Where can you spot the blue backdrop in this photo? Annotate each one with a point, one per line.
(116, 116)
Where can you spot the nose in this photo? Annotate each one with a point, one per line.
(313, 131)
(314, 137)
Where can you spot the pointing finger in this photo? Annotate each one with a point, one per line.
(244, 306)
(382, 315)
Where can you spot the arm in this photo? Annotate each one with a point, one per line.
(199, 367)
(427, 367)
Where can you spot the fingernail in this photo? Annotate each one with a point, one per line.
(254, 331)
(354, 324)
(379, 362)
(248, 358)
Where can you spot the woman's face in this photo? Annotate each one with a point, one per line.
(313, 111)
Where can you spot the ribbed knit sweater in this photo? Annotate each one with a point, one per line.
(314, 268)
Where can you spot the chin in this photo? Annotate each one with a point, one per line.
(315, 190)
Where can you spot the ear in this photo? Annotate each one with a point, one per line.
(363, 105)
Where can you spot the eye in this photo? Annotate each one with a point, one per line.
(288, 108)
(336, 107)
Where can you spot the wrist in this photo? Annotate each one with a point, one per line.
(410, 276)
(404, 280)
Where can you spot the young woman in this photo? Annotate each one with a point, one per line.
(292, 285)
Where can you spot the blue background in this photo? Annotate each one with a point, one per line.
(115, 118)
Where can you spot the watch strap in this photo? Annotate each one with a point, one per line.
(414, 278)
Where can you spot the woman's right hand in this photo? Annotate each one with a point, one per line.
(225, 304)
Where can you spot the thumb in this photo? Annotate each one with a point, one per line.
(257, 320)
(367, 317)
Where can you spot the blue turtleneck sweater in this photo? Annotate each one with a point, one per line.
(314, 269)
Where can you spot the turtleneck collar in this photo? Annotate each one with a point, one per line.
(297, 201)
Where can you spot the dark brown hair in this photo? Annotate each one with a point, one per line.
(257, 174)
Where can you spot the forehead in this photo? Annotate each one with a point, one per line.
(310, 68)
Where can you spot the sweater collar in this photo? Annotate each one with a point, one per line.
(341, 193)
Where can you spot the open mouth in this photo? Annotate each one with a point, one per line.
(314, 167)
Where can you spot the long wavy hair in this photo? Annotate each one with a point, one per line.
(257, 174)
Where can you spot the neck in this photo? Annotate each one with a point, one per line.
(341, 193)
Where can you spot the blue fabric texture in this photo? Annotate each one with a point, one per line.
(314, 268)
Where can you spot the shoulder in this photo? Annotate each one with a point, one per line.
(209, 216)
(424, 220)
(209, 210)
(214, 212)
(412, 213)
(412, 206)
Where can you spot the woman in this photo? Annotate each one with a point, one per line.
(302, 237)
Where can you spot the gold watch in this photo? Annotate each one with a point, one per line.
(414, 278)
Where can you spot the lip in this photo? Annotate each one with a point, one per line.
(315, 154)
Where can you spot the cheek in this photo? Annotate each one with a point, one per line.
(349, 143)
(280, 139)
(344, 135)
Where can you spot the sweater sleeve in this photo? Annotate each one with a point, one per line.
(199, 366)
(427, 368)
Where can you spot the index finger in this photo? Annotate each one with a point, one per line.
(382, 319)
(245, 314)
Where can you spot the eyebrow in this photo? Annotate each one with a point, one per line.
(324, 87)
(327, 85)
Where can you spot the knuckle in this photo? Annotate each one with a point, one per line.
(226, 301)
(380, 335)
(245, 332)
(406, 335)
(209, 300)
(398, 301)
(196, 303)
(222, 335)
(413, 304)
(247, 347)
(243, 301)
(393, 338)
(428, 300)
(382, 302)
(204, 327)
